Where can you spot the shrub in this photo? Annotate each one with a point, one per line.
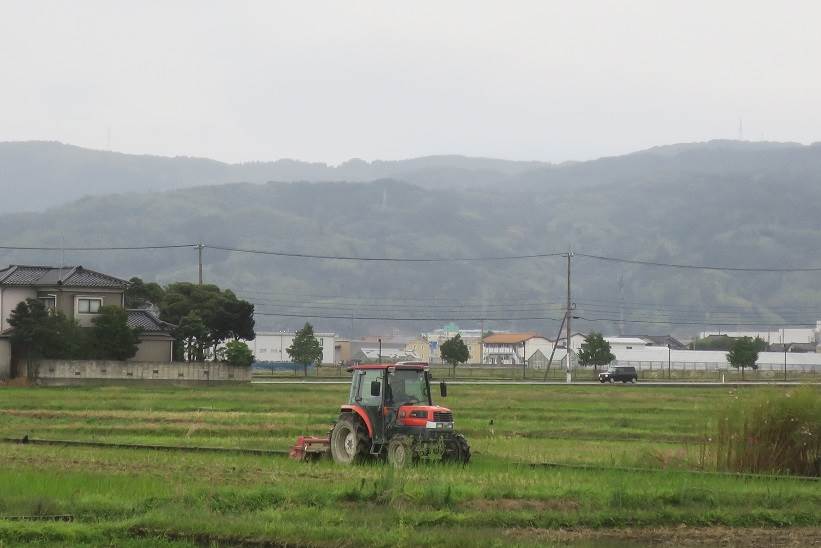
(772, 432)
(237, 353)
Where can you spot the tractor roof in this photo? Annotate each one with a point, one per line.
(405, 365)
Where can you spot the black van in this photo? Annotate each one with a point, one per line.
(621, 373)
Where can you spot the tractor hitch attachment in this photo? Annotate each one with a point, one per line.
(310, 448)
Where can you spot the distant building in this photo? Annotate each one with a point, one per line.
(626, 343)
(342, 351)
(372, 354)
(427, 346)
(636, 341)
(786, 335)
(514, 348)
(273, 346)
(79, 293)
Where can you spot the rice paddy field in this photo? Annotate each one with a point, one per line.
(552, 465)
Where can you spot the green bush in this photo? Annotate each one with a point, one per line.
(770, 432)
(237, 353)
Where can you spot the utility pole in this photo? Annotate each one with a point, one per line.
(380, 349)
(555, 343)
(199, 261)
(621, 304)
(785, 362)
(481, 344)
(567, 317)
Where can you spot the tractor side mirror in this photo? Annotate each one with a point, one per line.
(443, 389)
(376, 388)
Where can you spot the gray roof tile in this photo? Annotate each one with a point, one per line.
(67, 276)
(148, 322)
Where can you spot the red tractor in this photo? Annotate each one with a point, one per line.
(390, 414)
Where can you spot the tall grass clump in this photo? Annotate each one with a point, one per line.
(770, 432)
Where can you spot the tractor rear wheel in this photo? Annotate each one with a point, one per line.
(457, 450)
(349, 440)
(401, 452)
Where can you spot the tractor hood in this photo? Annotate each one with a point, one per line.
(426, 416)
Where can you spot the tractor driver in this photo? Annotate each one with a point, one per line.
(398, 395)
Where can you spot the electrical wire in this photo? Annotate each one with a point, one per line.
(386, 259)
(699, 267)
(107, 248)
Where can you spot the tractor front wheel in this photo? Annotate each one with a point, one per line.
(401, 452)
(457, 450)
(349, 441)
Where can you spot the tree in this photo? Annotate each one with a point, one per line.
(238, 354)
(42, 333)
(743, 353)
(139, 294)
(112, 338)
(189, 333)
(306, 348)
(220, 313)
(723, 342)
(595, 351)
(454, 351)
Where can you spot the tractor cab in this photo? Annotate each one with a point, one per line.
(395, 395)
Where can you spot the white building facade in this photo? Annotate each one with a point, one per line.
(273, 346)
(787, 335)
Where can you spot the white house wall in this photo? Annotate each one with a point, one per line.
(10, 297)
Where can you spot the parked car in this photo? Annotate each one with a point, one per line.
(621, 373)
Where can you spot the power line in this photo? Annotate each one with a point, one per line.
(506, 319)
(385, 259)
(107, 248)
(415, 259)
(401, 319)
(700, 267)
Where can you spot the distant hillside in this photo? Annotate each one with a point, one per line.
(719, 203)
(38, 175)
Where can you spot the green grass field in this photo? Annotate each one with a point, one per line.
(126, 497)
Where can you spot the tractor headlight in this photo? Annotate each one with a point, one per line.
(419, 414)
(439, 425)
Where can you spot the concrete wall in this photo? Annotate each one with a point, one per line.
(5, 359)
(57, 371)
(154, 349)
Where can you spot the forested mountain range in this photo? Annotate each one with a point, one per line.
(720, 203)
(45, 174)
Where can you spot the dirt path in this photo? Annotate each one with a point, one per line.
(673, 536)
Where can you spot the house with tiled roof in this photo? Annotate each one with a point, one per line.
(79, 293)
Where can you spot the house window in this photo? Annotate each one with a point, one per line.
(89, 306)
(49, 300)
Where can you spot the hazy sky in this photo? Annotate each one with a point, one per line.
(333, 80)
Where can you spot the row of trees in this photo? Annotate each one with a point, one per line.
(596, 351)
(205, 316)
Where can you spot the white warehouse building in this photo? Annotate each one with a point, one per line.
(273, 346)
